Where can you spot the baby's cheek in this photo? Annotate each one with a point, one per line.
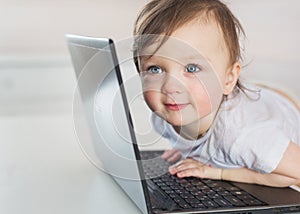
(204, 108)
(202, 101)
(151, 99)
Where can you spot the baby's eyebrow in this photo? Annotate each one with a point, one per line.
(145, 59)
(197, 57)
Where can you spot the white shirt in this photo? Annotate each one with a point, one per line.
(252, 129)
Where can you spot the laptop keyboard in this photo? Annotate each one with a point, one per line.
(191, 192)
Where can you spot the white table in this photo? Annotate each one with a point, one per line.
(43, 170)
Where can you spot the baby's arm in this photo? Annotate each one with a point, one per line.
(290, 162)
(250, 176)
(190, 167)
(286, 173)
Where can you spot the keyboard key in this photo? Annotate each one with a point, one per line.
(197, 193)
(156, 180)
(186, 195)
(181, 191)
(202, 197)
(169, 183)
(176, 187)
(235, 201)
(245, 197)
(169, 191)
(166, 178)
(160, 184)
(173, 195)
(202, 187)
(182, 181)
(208, 191)
(238, 192)
(192, 200)
(218, 188)
(165, 188)
(214, 195)
(197, 182)
(224, 193)
(210, 204)
(198, 205)
(188, 185)
(222, 202)
(232, 188)
(184, 205)
(178, 199)
(253, 202)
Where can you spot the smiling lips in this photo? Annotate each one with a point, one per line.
(175, 107)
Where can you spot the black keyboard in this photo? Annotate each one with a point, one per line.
(191, 192)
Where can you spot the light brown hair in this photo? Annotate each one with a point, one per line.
(163, 17)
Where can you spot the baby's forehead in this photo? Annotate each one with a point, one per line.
(195, 40)
(168, 45)
(207, 28)
(171, 49)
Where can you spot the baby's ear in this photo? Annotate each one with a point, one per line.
(231, 77)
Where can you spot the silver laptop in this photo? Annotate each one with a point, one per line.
(115, 147)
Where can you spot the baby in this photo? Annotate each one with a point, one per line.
(189, 59)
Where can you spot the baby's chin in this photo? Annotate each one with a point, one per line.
(174, 121)
(197, 126)
(182, 119)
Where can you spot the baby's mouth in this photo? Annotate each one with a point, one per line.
(175, 107)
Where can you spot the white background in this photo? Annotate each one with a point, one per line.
(35, 68)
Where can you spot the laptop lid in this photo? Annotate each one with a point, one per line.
(100, 91)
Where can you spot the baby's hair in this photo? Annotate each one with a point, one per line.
(162, 17)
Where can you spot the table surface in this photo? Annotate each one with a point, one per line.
(43, 170)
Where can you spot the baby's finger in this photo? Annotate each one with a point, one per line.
(191, 172)
(168, 153)
(174, 168)
(175, 157)
(183, 165)
(195, 161)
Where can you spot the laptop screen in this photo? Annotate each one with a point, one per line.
(101, 116)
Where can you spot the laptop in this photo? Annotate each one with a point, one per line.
(104, 99)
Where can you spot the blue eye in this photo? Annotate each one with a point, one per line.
(192, 68)
(154, 69)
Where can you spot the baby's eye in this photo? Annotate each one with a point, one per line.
(192, 68)
(154, 69)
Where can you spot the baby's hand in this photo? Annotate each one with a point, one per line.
(192, 168)
(171, 155)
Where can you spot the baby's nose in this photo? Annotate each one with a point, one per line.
(172, 85)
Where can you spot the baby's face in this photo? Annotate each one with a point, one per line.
(184, 80)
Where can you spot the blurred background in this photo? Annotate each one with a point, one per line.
(35, 70)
